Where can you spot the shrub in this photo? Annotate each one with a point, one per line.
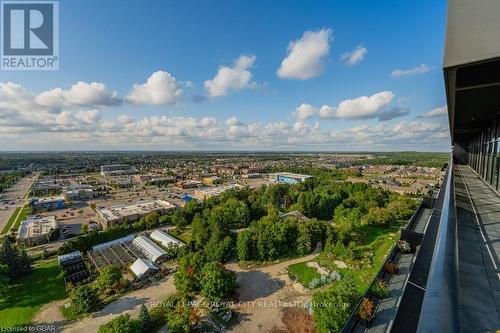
(380, 288)
(366, 310)
(84, 299)
(391, 268)
(404, 246)
(121, 324)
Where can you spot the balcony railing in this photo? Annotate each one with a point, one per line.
(439, 312)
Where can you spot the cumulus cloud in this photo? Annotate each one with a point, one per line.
(231, 78)
(422, 69)
(15, 97)
(306, 55)
(364, 106)
(355, 56)
(81, 94)
(161, 88)
(305, 111)
(394, 112)
(233, 121)
(436, 112)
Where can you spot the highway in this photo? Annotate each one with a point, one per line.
(15, 197)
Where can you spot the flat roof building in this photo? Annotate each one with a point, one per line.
(36, 230)
(117, 169)
(49, 203)
(79, 194)
(128, 213)
(289, 177)
(206, 193)
(149, 248)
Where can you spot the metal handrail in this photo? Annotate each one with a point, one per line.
(439, 311)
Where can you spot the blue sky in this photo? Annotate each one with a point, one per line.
(236, 75)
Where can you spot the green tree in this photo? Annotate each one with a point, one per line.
(216, 281)
(109, 280)
(16, 260)
(186, 279)
(199, 231)
(332, 307)
(219, 250)
(244, 245)
(4, 277)
(121, 324)
(84, 299)
(179, 320)
(144, 319)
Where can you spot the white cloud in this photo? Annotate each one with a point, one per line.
(81, 94)
(437, 112)
(233, 121)
(13, 96)
(305, 111)
(355, 56)
(423, 68)
(364, 106)
(161, 88)
(358, 108)
(306, 56)
(88, 117)
(230, 79)
(327, 111)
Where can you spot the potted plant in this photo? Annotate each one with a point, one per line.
(404, 246)
(365, 312)
(391, 268)
(380, 288)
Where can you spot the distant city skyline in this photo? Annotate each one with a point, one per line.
(235, 76)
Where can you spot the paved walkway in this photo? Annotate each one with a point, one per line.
(478, 222)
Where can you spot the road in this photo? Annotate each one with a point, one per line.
(15, 197)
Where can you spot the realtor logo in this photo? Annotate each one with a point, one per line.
(29, 35)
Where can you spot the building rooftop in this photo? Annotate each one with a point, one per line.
(164, 238)
(121, 211)
(36, 226)
(153, 251)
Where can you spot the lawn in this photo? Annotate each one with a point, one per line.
(304, 273)
(25, 296)
(374, 242)
(24, 213)
(11, 220)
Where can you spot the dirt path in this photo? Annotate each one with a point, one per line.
(130, 303)
(260, 290)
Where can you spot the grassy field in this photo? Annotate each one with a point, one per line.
(11, 221)
(24, 213)
(304, 273)
(24, 297)
(372, 242)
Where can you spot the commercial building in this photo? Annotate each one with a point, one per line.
(165, 239)
(45, 187)
(214, 180)
(206, 193)
(289, 177)
(48, 203)
(149, 249)
(128, 213)
(36, 230)
(117, 169)
(143, 268)
(185, 184)
(79, 194)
